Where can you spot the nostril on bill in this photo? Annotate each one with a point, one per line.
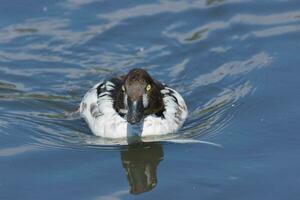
(133, 120)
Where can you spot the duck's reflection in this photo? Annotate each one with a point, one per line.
(140, 162)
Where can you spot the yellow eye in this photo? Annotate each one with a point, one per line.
(123, 88)
(148, 88)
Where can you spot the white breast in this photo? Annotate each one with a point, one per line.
(104, 121)
(100, 115)
(174, 115)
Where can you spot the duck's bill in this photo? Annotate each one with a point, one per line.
(135, 112)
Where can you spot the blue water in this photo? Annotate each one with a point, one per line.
(235, 62)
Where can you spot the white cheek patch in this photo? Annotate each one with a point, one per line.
(123, 111)
(125, 101)
(145, 100)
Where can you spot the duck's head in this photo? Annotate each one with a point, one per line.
(141, 95)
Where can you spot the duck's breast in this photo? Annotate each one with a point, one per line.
(173, 117)
(99, 114)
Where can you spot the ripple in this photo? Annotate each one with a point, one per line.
(272, 19)
(276, 31)
(232, 68)
(9, 86)
(198, 34)
(11, 151)
(208, 120)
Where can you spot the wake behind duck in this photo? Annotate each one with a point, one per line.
(133, 104)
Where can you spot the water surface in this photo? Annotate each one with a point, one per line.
(235, 62)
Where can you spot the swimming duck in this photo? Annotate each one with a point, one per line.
(115, 107)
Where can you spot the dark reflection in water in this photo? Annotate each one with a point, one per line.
(140, 162)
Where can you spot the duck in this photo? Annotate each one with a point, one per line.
(133, 104)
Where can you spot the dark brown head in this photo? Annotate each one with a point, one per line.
(141, 95)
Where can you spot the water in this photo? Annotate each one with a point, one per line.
(235, 62)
